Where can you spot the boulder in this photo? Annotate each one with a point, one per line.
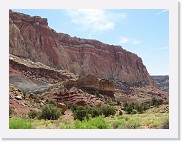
(18, 97)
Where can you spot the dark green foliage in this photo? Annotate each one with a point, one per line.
(73, 107)
(50, 112)
(156, 102)
(107, 110)
(95, 112)
(33, 114)
(133, 108)
(81, 113)
(53, 102)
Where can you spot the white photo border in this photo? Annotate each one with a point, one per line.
(171, 133)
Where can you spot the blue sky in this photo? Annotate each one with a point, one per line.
(144, 32)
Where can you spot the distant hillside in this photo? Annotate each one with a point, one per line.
(162, 81)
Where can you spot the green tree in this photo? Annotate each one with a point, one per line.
(50, 112)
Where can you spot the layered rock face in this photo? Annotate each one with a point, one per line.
(34, 76)
(73, 96)
(93, 85)
(30, 37)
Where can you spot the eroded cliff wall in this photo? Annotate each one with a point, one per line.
(32, 38)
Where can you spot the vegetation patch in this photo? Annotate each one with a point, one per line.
(82, 113)
(33, 114)
(91, 123)
(133, 108)
(50, 112)
(20, 123)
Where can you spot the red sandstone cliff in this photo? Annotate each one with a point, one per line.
(31, 37)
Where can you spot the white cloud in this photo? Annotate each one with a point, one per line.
(94, 19)
(126, 40)
(161, 12)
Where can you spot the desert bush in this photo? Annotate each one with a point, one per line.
(95, 112)
(73, 107)
(107, 110)
(134, 111)
(155, 102)
(81, 113)
(33, 114)
(53, 102)
(50, 112)
(92, 123)
(133, 108)
(119, 124)
(19, 123)
(133, 124)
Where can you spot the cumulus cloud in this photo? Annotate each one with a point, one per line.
(126, 40)
(95, 19)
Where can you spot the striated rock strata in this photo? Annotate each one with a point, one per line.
(73, 96)
(93, 85)
(31, 37)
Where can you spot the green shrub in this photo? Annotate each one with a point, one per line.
(81, 113)
(95, 112)
(92, 123)
(73, 107)
(19, 123)
(133, 108)
(107, 110)
(155, 102)
(53, 102)
(50, 112)
(119, 124)
(134, 111)
(133, 123)
(33, 114)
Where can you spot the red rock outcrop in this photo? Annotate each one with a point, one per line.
(30, 37)
(73, 96)
(93, 85)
